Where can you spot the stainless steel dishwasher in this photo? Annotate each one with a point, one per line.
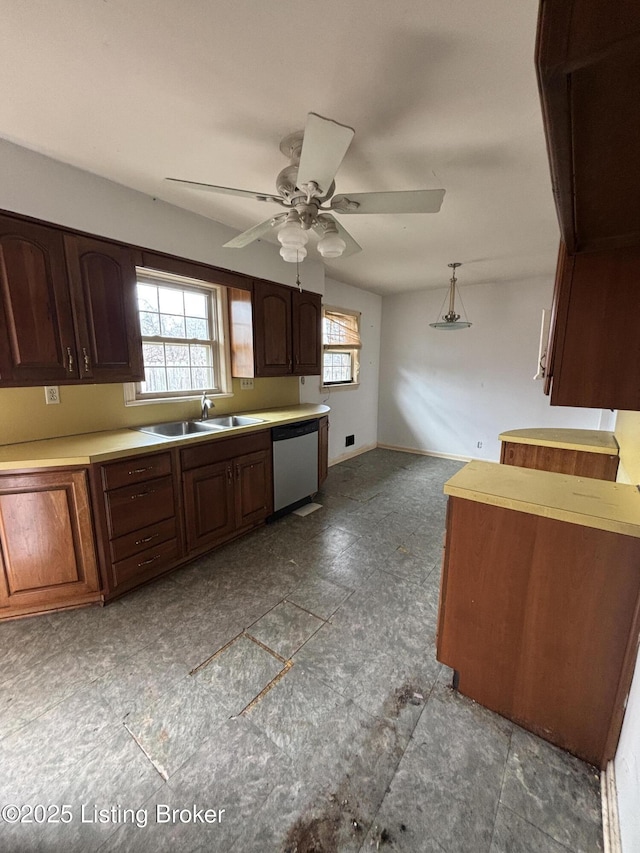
(295, 465)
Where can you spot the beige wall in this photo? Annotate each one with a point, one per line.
(627, 433)
(91, 408)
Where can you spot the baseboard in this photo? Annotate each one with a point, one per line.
(352, 453)
(610, 819)
(426, 452)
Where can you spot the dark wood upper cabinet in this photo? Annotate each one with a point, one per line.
(275, 331)
(588, 60)
(595, 356)
(103, 286)
(307, 332)
(272, 330)
(68, 309)
(37, 340)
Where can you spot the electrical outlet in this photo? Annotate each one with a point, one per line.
(246, 384)
(479, 445)
(51, 394)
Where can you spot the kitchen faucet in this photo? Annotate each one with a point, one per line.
(206, 405)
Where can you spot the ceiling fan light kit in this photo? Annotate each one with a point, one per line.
(451, 321)
(306, 189)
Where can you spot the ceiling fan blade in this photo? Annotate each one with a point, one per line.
(324, 145)
(403, 201)
(254, 233)
(227, 190)
(351, 248)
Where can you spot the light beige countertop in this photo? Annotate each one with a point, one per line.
(589, 440)
(115, 444)
(578, 500)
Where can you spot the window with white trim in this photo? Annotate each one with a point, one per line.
(340, 346)
(183, 340)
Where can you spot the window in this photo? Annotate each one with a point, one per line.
(341, 346)
(181, 321)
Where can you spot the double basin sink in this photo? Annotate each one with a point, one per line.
(176, 429)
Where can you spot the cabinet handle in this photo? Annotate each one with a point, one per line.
(85, 356)
(69, 360)
(229, 475)
(141, 470)
(150, 560)
(142, 494)
(147, 539)
(237, 472)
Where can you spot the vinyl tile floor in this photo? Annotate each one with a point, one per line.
(280, 694)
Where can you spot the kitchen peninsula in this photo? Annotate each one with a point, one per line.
(540, 600)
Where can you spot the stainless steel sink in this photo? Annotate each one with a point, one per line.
(229, 421)
(175, 429)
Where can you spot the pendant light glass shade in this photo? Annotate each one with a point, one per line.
(293, 239)
(451, 321)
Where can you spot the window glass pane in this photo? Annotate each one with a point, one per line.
(196, 328)
(153, 354)
(178, 378)
(200, 355)
(202, 377)
(172, 326)
(147, 297)
(155, 380)
(195, 304)
(177, 355)
(171, 300)
(149, 323)
(337, 367)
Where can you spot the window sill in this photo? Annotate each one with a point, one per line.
(130, 398)
(346, 387)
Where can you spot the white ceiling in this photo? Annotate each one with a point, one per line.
(441, 93)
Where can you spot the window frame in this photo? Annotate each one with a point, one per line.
(354, 350)
(220, 340)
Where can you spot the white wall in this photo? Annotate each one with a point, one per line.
(627, 769)
(47, 189)
(445, 391)
(354, 411)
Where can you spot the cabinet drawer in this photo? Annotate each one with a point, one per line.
(141, 540)
(145, 564)
(218, 450)
(135, 470)
(134, 507)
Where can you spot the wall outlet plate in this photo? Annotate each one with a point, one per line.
(246, 384)
(51, 394)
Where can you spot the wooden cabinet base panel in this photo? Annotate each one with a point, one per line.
(37, 609)
(540, 619)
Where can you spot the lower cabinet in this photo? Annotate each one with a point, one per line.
(47, 555)
(579, 463)
(227, 488)
(136, 515)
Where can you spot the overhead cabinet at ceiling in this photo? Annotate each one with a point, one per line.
(588, 60)
(68, 310)
(275, 331)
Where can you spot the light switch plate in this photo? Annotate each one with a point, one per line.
(246, 384)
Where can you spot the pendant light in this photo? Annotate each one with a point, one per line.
(451, 320)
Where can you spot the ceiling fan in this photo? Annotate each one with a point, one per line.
(306, 190)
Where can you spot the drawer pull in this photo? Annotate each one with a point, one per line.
(142, 494)
(150, 560)
(147, 539)
(141, 470)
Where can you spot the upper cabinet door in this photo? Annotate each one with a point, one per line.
(272, 306)
(102, 278)
(37, 343)
(307, 333)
